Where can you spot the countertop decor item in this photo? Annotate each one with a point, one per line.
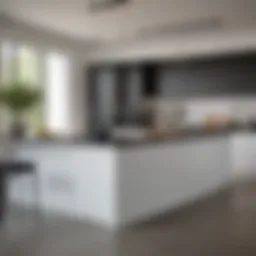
(216, 121)
(18, 98)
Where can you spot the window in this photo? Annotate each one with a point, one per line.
(58, 93)
(28, 66)
(49, 70)
(23, 64)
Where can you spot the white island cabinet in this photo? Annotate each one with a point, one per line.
(74, 180)
(119, 185)
(243, 155)
(156, 178)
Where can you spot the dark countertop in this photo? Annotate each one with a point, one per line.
(182, 136)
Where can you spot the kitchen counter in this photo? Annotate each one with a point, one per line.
(177, 136)
(124, 182)
(184, 136)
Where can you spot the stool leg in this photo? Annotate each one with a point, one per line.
(37, 192)
(3, 197)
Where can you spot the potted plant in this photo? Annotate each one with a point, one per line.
(19, 98)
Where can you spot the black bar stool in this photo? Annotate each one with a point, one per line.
(2, 195)
(15, 168)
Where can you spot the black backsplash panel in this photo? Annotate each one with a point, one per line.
(233, 76)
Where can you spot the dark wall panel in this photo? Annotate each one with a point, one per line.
(101, 88)
(220, 77)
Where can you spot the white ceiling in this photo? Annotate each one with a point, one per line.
(73, 18)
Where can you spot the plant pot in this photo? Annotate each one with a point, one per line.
(18, 130)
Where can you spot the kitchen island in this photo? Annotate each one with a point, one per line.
(117, 184)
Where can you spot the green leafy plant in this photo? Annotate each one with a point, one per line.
(19, 97)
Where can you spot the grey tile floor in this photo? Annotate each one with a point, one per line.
(222, 225)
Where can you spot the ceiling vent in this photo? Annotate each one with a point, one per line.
(100, 5)
(184, 28)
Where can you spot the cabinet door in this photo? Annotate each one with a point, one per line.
(252, 153)
(59, 183)
(209, 171)
(56, 182)
(241, 154)
(27, 189)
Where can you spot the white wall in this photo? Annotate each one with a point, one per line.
(242, 108)
(195, 110)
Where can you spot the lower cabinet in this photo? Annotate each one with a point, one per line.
(52, 188)
(243, 154)
(77, 181)
(122, 185)
(156, 178)
(58, 185)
